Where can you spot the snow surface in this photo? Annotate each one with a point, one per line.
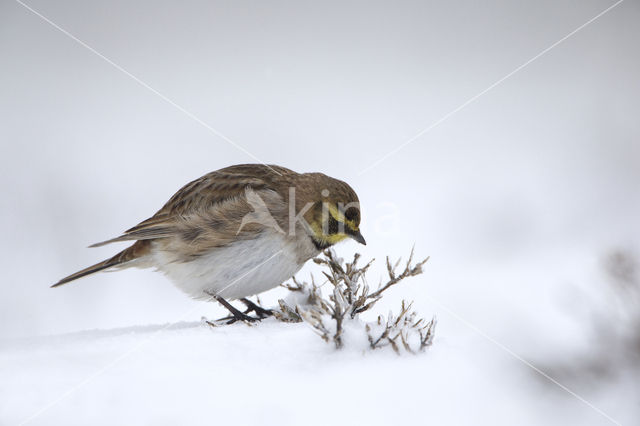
(273, 373)
(517, 198)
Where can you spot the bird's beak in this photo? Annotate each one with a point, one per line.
(358, 237)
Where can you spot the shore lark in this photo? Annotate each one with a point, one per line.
(239, 231)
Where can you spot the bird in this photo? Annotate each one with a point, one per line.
(237, 232)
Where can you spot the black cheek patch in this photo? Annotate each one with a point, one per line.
(334, 226)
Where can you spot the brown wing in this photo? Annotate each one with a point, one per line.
(204, 193)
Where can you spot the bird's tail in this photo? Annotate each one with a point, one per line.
(136, 251)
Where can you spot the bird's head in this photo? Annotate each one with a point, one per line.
(334, 214)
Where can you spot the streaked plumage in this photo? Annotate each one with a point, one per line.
(230, 233)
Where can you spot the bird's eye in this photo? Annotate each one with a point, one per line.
(352, 214)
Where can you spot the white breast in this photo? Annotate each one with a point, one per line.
(242, 269)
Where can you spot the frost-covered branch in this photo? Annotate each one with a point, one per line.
(387, 331)
(350, 296)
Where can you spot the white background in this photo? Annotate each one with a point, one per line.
(517, 197)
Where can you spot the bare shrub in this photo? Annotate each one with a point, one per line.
(350, 296)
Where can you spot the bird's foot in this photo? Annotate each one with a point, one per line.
(230, 319)
(236, 315)
(259, 310)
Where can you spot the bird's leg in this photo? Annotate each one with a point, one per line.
(236, 315)
(259, 310)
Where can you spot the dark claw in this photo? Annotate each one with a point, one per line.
(242, 317)
(260, 311)
(236, 315)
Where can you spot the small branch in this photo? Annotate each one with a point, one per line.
(350, 297)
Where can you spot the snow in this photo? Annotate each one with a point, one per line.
(517, 198)
(277, 373)
(274, 373)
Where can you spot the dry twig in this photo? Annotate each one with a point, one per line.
(350, 296)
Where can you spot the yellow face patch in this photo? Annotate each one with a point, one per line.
(326, 237)
(331, 238)
(339, 216)
(321, 232)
